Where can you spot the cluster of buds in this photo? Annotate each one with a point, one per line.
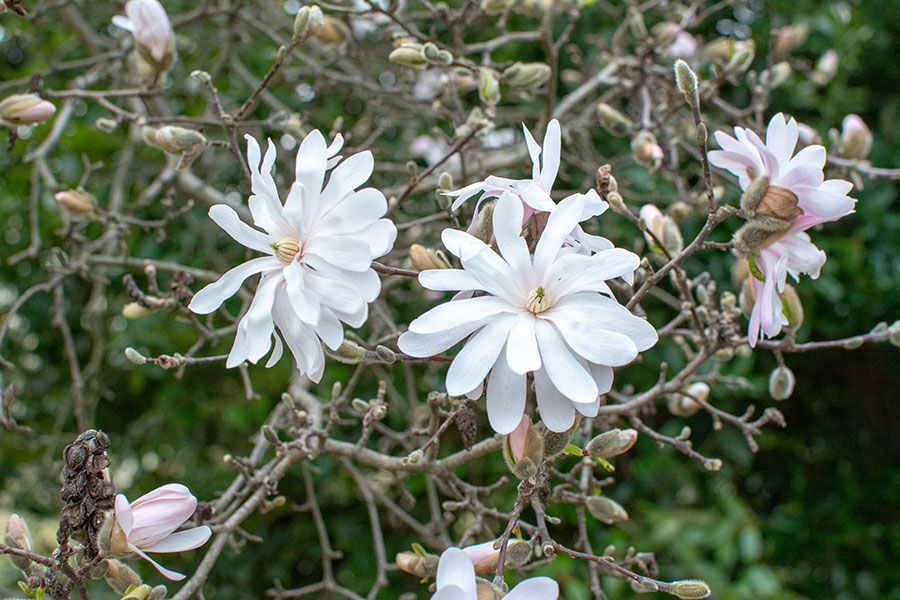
(186, 144)
(420, 56)
(688, 401)
(25, 109)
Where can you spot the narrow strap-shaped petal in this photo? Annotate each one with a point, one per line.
(505, 397)
(473, 362)
(557, 411)
(182, 541)
(562, 221)
(567, 375)
(227, 218)
(551, 155)
(167, 573)
(212, 296)
(455, 569)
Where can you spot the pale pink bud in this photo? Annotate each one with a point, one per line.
(150, 522)
(25, 109)
(518, 437)
(149, 25)
(856, 138)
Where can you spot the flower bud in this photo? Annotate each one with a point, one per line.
(349, 353)
(25, 109)
(385, 354)
(18, 536)
(826, 68)
(776, 75)
(425, 258)
(409, 55)
(484, 223)
(680, 210)
(613, 121)
(120, 576)
(741, 59)
(612, 443)
(685, 79)
(685, 403)
(781, 383)
(807, 135)
(134, 356)
(75, 201)
(856, 138)
(332, 31)
(663, 228)
(421, 565)
(690, 589)
(495, 7)
(140, 592)
(523, 449)
(488, 86)
(616, 202)
(176, 140)
(792, 307)
(526, 75)
(646, 150)
(606, 510)
(789, 37)
(135, 310)
(894, 333)
(307, 23)
(158, 592)
(556, 441)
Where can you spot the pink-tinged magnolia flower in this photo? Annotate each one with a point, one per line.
(534, 193)
(683, 45)
(550, 314)
(802, 197)
(25, 109)
(456, 581)
(149, 24)
(318, 250)
(149, 523)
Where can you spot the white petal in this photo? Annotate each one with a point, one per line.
(305, 302)
(567, 375)
(346, 177)
(534, 151)
(343, 251)
(225, 217)
(457, 312)
(167, 573)
(455, 569)
(430, 344)
(448, 279)
(359, 210)
(460, 243)
(182, 541)
(473, 362)
(551, 155)
(505, 397)
(507, 220)
(495, 275)
(277, 352)
(254, 333)
(522, 353)
(212, 296)
(536, 588)
(562, 221)
(598, 313)
(557, 411)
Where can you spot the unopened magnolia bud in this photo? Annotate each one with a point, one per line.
(421, 565)
(744, 53)
(685, 79)
(120, 576)
(495, 7)
(484, 223)
(606, 510)
(176, 140)
(613, 121)
(679, 210)
(409, 55)
(385, 354)
(826, 68)
(556, 441)
(134, 310)
(527, 75)
(424, 258)
(106, 125)
(792, 307)
(485, 556)
(612, 443)
(690, 589)
(349, 353)
(646, 150)
(414, 457)
(307, 23)
(488, 86)
(332, 31)
(18, 536)
(728, 301)
(686, 402)
(523, 449)
(140, 592)
(445, 181)
(856, 138)
(25, 109)
(788, 38)
(643, 586)
(134, 356)
(616, 202)
(76, 201)
(754, 194)
(854, 342)
(270, 435)
(781, 383)
(158, 593)
(775, 76)
(724, 354)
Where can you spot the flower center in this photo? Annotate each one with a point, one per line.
(286, 249)
(537, 301)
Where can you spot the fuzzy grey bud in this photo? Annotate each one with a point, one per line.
(488, 86)
(686, 79)
(385, 354)
(409, 55)
(606, 510)
(613, 121)
(349, 352)
(690, 589)
(75, 201)
(307, 23)
(781, 383)
(527, 75)
(612, 443)
(120, 576)
(134, 356)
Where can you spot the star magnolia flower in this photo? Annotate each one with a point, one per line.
(318, 246)
(550, 314)
(534, 193)
(149, 523)
(456, 581)
(799, 193)
(148, 23)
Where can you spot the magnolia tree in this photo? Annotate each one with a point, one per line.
(370, 204)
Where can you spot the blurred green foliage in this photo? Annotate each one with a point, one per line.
(814, 514)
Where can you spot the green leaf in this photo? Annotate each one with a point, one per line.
(573, 450)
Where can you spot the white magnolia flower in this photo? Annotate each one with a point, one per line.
(550, 315)
(456, 581)
(534, 193)
(318, 250)
(149, 24)
(800, 193)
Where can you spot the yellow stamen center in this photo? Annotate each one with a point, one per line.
(537, 300)
(286, 249)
